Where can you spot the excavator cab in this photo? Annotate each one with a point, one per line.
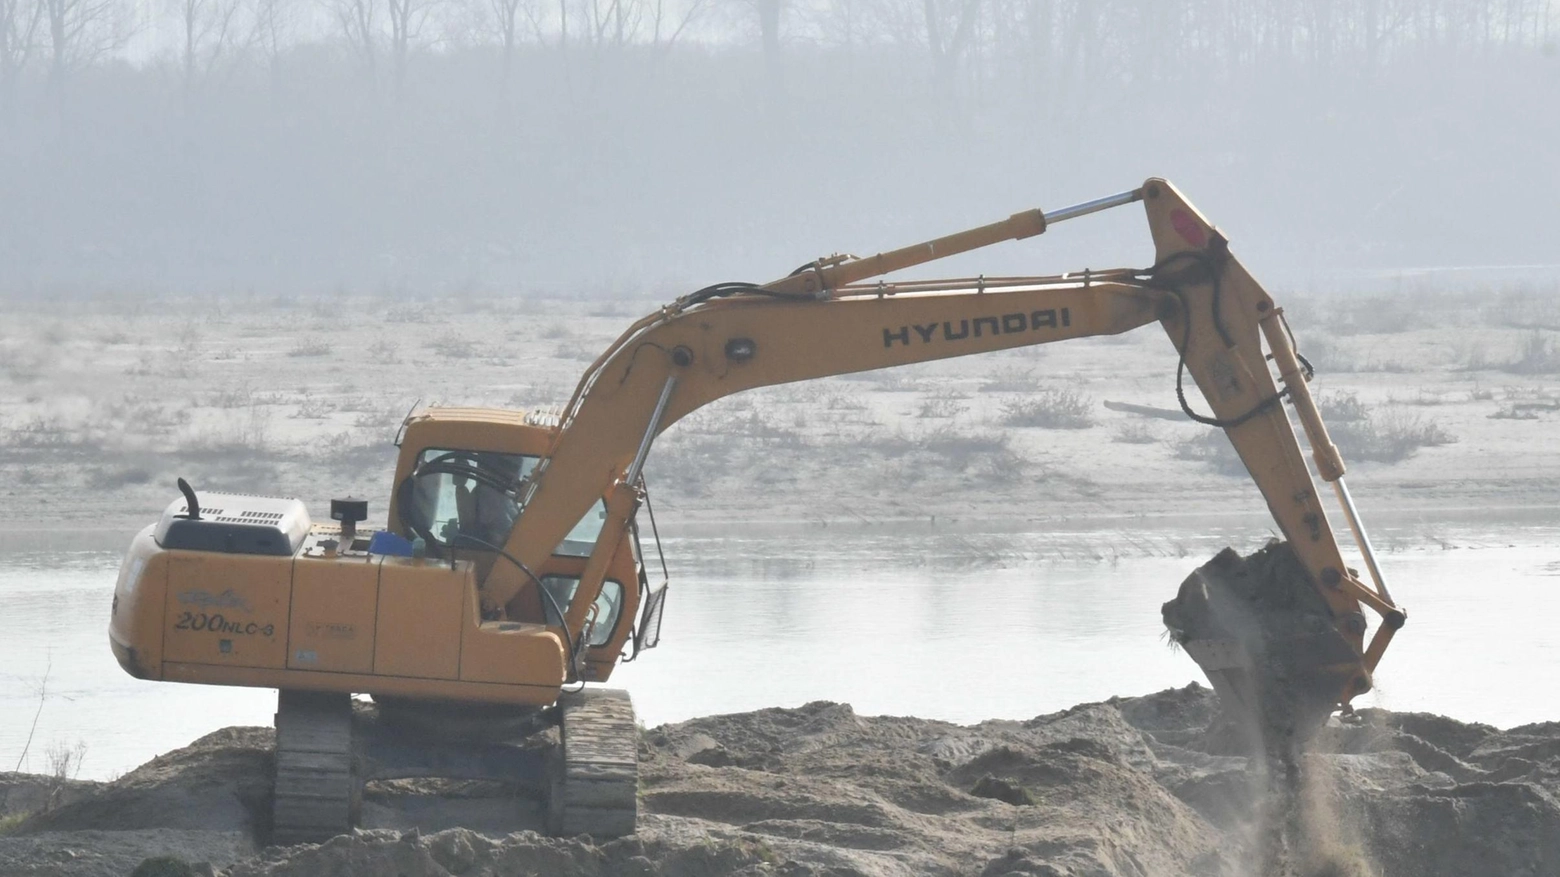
(460, 481)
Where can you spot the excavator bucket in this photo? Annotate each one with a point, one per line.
(1266, 640)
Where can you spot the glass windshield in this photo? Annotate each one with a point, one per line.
(468, 493)
(582, 538)
(609, 604)
(472, 493)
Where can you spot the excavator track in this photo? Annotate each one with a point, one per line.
(315, 791)
(594, 774)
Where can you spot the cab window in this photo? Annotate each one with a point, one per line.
(582, 538)
(609, 605)
(472, 493)
(468, 493)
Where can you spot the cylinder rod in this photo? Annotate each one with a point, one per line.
(632, 474)
(821, 280)
(1361, 538)
(1094, 206)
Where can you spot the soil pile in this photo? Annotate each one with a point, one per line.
(1132, 786)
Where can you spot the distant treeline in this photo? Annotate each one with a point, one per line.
(435, 145)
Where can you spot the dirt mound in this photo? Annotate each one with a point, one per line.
(463, 852)
(221, 782)
(24, 793)
(1134, 786)
(896, 795)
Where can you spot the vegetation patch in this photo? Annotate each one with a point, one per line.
(1538, 356)
(1135, 433)
(1049, 409)
(1388, 438)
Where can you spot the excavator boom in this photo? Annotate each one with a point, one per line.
(827, 319)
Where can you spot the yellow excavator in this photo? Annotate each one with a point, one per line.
(510, 573)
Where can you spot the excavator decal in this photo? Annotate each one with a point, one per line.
(1009, 324)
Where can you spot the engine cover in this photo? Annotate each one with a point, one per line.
(235, 524)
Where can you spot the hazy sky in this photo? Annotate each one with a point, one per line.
(277, 145)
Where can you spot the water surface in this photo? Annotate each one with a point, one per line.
(953, 626)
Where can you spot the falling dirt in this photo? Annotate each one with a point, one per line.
(1262, 633)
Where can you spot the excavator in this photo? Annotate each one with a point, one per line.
(509, 581)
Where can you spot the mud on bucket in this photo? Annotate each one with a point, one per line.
(1265, 639)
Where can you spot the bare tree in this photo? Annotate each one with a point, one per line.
(210, 30)
(19, 20)
(272, 30)
(357, 21)
(409, 21)
(501, 22)
(81, 33)
(769, 14)
(946, 48)
(661, 19)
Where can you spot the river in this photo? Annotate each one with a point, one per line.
(954, 626)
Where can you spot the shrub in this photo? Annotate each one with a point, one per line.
(1379, 315)
(383, 352)
(575, 350)
(1474, 358)
(1389, 438)
(1213, 448)
(984, 455)
(52, 432)
(958, 446)
(383, 418)
(1010, 380)
(240, 396)
(842, 402)
(895, 381)
(1341, 407)
(310, 408)
(1135, 433)
(248, 432)
(411, 313)
(1328, 355)
(1049, 409)
(1537, 357)
(452, 346)
(115, 477)
(940, 406)
(307, 346)
(1423, 399)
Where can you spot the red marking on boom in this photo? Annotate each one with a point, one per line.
(1188, 228)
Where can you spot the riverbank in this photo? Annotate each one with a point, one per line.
(1435, 408)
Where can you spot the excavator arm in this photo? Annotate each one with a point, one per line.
(826, 319)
